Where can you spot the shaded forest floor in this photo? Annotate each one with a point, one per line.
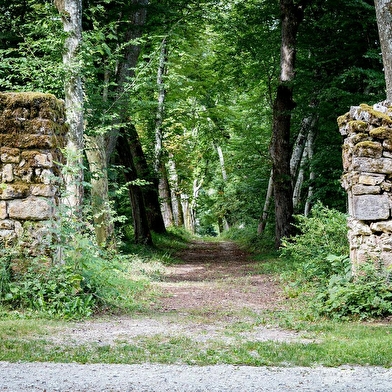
(211, 293)
(220, 277)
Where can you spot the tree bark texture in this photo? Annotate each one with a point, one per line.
(384, 23)
(71, 15)
(175, 192)
(280, 150)
(140, 222)
(160, 108)
(165, 197)
(100, 204)
(312, 175)
(150, 191)
(266, 208)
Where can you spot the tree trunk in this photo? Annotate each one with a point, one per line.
(292, 15)
(264, 215)
(298, 173)
(98, 161)
(312, 175)
(140, 222)
(300, 179)
(165, 197)
(175, 193)
(160, 108)
(384, 23)
(187, 212)
(71, 15)
(159, 166)
(100, 205)
(226, 218)
(193, 210)
(150, 191)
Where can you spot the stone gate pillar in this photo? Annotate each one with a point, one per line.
(367, 178)
(32, 132)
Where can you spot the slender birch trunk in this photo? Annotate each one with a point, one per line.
(71, 15)
(312, 175)
(267, 202)
(175, 193)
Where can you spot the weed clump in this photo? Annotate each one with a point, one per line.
(320, 264)
(85, 279)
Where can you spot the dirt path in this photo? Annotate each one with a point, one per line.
(218, 276)
(215, 285)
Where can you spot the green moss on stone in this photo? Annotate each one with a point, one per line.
(357, 125)
(31, 104)
(342, 120)
(375, 113)
(381, 133)
(368, 149)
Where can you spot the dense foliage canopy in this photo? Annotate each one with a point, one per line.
(195, 82)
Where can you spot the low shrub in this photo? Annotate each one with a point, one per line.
(55, 291)
(321, 234)
(320, 263)
(368, 295)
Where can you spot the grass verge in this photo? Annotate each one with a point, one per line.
(327, 343)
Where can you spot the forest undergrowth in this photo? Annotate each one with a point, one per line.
(209, 301)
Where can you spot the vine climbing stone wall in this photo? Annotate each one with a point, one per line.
(367, 178)
(32, 133)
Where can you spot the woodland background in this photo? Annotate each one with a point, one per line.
(195, 83)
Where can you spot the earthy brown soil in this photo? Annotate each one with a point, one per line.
(218, 276)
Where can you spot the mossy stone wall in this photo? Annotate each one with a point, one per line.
(367, 178)
(32, 134)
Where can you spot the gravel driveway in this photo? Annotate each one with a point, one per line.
(51, 377)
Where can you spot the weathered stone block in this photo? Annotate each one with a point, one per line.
(3, 210)
(7, 236)
(387, 145)
(371, 179)
(8, 173)
(14, 191)
(359, 137)
(10, 155)
(366, 190)
(36, 159)
(372, 165)
(358, 227)
(28, 141)
(43, 190)
(7, 224)
(31, 208)
(23, 172)
(371, 207)
(386, 186)
(385, 227)
(368, 149)
(45, 176)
